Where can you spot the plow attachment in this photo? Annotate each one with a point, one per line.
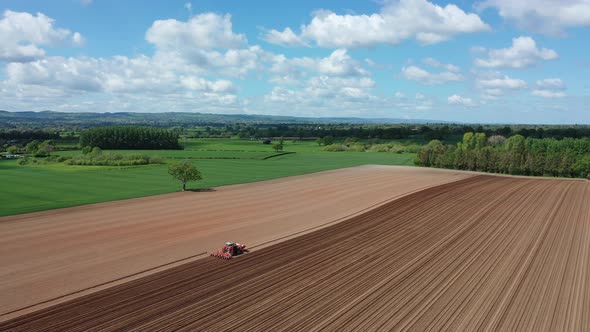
(221, 254)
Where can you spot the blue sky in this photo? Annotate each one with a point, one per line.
(487, 61)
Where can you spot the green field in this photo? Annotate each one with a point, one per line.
(221, 161)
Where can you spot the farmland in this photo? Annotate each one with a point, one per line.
(463, 253)
(222, 162)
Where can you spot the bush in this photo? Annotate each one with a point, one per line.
(414, 148)
(335, 148)
(30, 161)
(98, 158)
(40, 154)
(61, 159)
(357, 147)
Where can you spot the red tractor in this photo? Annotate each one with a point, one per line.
(230, 250)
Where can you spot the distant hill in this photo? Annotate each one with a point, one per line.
(168, 119)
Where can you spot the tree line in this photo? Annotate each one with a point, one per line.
(129, 137)
(28, 134)
(516, 155)
(384, 131)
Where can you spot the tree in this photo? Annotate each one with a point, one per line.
(32, 146)
(496, 140)
(12, 149)
(350, 141)
(278, 147)
(96, 151)
(45, 149)
(328, 140)
(184, 171)
(429, 153)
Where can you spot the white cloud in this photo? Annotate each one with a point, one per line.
(458, 100)
(77, 39)
(523, 53)
(420, 75)
(424, 21)
(114, 75)
(551, 83)
(504, 82)
(437, 64)
(548, 94)
(545, 16)
(204, 31)
(86, 2)
(399, 95)
(320, 89)
(200, 84)
(281, 95)
(420, 96)
(23, 34)
(338, 63)
(549, 88)
(494, 84)
(494, 92)
(284, 38)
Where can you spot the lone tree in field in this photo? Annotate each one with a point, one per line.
(184, 171)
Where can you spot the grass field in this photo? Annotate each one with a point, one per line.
(221, 161)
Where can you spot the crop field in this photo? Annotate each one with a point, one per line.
(463, 253)
(221, 161)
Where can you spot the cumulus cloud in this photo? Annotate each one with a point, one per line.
(437, 64)
(549, 88)
(113, 75)
(494, 84)
(548, 94)
(551, 83)
(420, 75)
(23, 34)
(284, 38)
(200, 84)
(204, 31)
(458, 100)
(324, 88)
(504, 82)
(523, 53)
(545, 16)
(338, 63)
(421, 20)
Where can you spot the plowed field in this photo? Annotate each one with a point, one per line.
(47, 255)
(484, 253)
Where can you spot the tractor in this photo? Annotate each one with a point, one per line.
(230, 250)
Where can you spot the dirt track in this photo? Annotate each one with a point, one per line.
(485, 253)
(46, 255)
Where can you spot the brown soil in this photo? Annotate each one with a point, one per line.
(484, 253)
(46, 256)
